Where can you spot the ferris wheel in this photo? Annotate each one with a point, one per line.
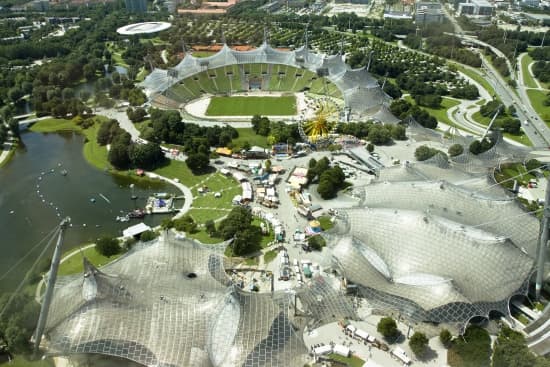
(318, 129)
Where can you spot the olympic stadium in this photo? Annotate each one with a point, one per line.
(270, 70)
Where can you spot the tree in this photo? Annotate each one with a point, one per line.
(18, 321)
(424, 152)
(379, 135)
(210, 227)
(388, 328)
(147, 156)
(107, 246)
(118, 155)
(455, 149)
(418, 343)
(267, 165)
(445, 338)
(186, 224)
(533, 164)
(148, 236)
(197, 162)
(478, 147)
(316, 242)
(238, 226)
(370, 148)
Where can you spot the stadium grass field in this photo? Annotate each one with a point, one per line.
(248, 106)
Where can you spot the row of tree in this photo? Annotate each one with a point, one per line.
(375, 133)
(168, 127)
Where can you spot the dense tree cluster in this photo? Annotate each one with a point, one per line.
(473, 348)
(137, 114)
(18, 321)
(403, 109)
(511, 351)
(330, 179)
(185, 224)
(276, 132)
(238, 226)
(425, 152)
(451, 47)
(168, 127)
(481, 146)
(541, 70)
(124, 153)
(375, 133)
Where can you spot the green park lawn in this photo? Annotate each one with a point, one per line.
(73, 265)
(537, 98)
(352, 361)
(202, 215)
(439, 113)
(215, 182)
(522, 138)
(248, 106)
(246, 134)
(224, 202)
(527, 78)
(270, 256)
(20, 361)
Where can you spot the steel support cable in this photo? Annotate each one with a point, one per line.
(18, 262)
(23, 282)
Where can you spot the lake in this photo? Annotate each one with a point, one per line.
(33, 200)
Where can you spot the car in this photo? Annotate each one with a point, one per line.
(526, 122)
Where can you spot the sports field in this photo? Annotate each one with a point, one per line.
(248, 106)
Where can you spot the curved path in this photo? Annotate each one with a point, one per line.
(184, 189)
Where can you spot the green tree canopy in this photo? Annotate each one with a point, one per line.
(107, 246)
(388, 328)
(419, 344)
(455, 149)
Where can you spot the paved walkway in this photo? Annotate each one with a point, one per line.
(122, 119)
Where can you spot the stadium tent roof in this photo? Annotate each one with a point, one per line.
(436, 250)
(360, 89)
(170, 303)
(429, 267)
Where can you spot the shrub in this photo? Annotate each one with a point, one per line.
(445, 338)
(316, 242)
(148, 236)
(455, 149)
(107, 246)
